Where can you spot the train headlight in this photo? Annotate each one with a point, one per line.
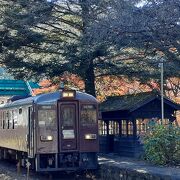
(46, 138)
(90, 136)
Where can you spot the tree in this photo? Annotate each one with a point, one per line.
(143, 33)
(87, 38)
(19, 40)
(60, 46)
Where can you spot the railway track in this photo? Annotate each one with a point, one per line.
(8, 171)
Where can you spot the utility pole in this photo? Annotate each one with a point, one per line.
(162, 89)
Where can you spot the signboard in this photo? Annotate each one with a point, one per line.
(68, 134)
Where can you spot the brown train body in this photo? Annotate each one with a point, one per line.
(55, 131)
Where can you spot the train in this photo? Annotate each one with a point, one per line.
(51, 132)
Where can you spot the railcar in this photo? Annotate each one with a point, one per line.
(51, 132)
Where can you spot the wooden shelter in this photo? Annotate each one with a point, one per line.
(124, 118)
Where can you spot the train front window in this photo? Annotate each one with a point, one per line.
(68, 115)
(88, 114)
(46, 117)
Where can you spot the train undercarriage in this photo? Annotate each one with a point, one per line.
(69, 161)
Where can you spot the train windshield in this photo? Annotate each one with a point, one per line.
(88, 114)
(46, 117)
(68, 115)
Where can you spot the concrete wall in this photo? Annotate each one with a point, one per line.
(116, 173)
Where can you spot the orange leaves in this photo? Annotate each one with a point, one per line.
(46, 86)
(69, 80)
(114, 86)
(108, 86)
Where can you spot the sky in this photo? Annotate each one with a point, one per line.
(4, 74)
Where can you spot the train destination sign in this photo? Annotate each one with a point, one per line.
(68, 94)
(68, 134)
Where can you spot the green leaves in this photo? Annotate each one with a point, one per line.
(101, 37)
(162, 144)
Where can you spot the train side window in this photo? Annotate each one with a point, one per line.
(10, 120)
(7, 120)
(20, 116)
(20, 110)
(1, 119)
(4, 119)
(24, 117)
(88, 114)
(15, 118)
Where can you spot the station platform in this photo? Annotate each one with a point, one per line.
(113, 167)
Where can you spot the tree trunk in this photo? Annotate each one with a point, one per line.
(88, 76)
(89, 80)
(85, 14)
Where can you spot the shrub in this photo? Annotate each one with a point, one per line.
(162, 145)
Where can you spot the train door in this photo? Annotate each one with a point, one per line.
(30, 134)
(68, 117)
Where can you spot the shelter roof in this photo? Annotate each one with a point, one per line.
(132, 102)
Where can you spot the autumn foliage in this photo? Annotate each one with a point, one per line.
(46, 86)
(70, 81)
(109, 86)
(105, 86)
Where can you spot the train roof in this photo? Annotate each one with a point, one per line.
(50, 98)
